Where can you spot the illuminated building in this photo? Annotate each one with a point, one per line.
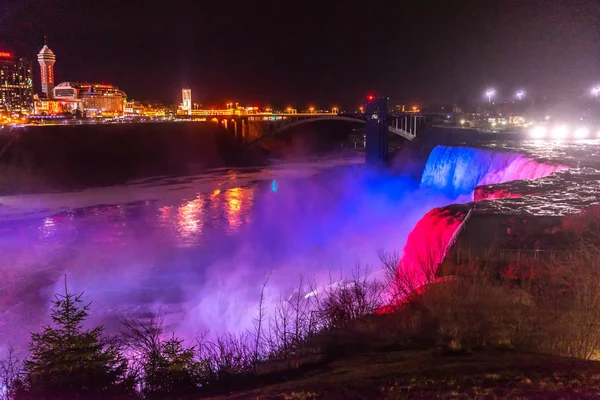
(46, 59)
(16, 86)
(92, 98)
(134, 108)
(44, 106)
(186, 105)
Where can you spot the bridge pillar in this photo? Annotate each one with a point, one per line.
(231, 126)
(238, 128)
(376, 131)
(244, 130)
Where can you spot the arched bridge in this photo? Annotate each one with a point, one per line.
(404, 125)
(253, 128)
(379, 122)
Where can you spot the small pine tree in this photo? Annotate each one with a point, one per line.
(69, 362)
(172, 371)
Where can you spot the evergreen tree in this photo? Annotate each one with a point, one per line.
(172, 372)
(69, 362)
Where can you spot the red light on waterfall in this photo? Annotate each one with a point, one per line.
(426, 246)
(370, 97)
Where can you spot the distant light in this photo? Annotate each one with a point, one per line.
(560, 132)
(462, 121)
(520, 94)
(547, 117)
(538, 132)
(503, 122)
(370, 97)
(596, 90)
(493, 124)
(581, 133)
(274, 186)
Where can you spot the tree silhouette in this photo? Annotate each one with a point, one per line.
(70, 362)
(168, 369)
(172, 372)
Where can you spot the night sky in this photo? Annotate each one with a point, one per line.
(323, 53)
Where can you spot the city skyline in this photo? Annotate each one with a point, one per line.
(318, 54)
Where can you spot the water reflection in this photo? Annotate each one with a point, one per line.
(48, 228)
(190, 218)
(238, 206)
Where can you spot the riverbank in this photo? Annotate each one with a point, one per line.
(59, 158)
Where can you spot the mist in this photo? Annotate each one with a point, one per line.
(199, 248)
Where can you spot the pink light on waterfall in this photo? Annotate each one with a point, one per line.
(489, 193)
(519, 168)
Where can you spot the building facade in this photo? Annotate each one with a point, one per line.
(93, 99)
(46, 59)
(16, 85)
(186, 104)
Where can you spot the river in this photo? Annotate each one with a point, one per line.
(198, 248)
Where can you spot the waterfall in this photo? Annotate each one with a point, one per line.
(457, 171)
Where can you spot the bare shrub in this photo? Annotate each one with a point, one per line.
(142, 339)
(293, 321)
(227, 355)
(11, 368)
(568, 292)
(259, 335)
(348, 300)
(404, 280)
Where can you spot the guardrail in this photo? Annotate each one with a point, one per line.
(462, 255)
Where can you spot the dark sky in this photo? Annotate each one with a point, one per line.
(324, 52)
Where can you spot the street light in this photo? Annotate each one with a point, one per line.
(520, 94)
(311, 109)
(596, 90)
(489, 94)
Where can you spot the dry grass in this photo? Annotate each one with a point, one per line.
(424, 375)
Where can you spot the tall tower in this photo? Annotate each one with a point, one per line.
(47, 59)
(186, 104)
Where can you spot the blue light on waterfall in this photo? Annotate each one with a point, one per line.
(274, 186)
(457, 171)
